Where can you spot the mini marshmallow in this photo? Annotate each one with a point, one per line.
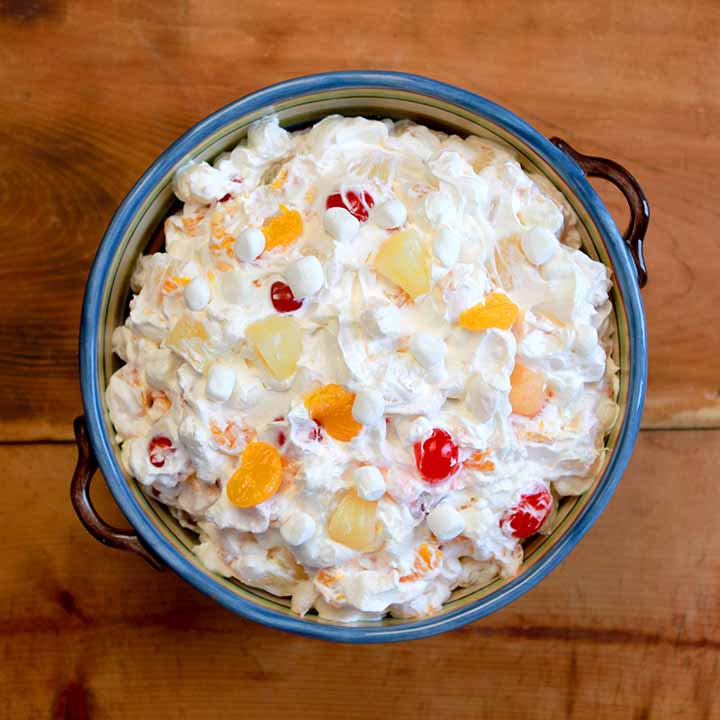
(429, 350)
(197, 294)
(341, 224)
(390, 214)
(383, 321)
(419, 429)
(369, 482)
(249, 244)
(368, 407)
(220, 383)
(305, 276)
(446, 247)
(586, 339)
(480, 398)
(298, 528)
(539, 245)
(234, 287)
(445, 522)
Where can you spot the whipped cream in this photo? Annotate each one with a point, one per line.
(185, 410)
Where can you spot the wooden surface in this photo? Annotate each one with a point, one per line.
(628, 626)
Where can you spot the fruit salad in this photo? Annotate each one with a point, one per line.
(368, 364)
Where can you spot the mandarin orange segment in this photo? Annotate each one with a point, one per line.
(331, 407)
(497, 311)
(354, 522)
(405, 260)
(283, 229)
(278, 341)
(427, 558)
(527, 394)
(258, 478)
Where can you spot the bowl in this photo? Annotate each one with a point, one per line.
(300, 102)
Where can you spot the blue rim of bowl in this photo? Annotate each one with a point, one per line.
(625, 278)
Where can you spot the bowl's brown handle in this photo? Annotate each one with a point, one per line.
(629, 187)
(80, 497)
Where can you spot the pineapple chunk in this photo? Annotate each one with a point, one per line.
(354, 522)
(405, 260)
(190, 339)
(278, 341)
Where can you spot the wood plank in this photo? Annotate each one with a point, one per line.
(92, 92)
(627, 626)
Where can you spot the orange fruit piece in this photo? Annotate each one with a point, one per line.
(258, 478)
(427, 558)
(497, 311)
(283, 229)
(354, 522)
(331, 407)
(527, 394)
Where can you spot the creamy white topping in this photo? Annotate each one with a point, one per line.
(184, 409)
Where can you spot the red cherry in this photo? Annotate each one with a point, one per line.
(528, 515)
(281, 438)
(225, 198)
(282, 298)
(158, 450)
(437, 457)
(352, 203)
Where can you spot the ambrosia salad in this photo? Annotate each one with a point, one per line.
(368, 363)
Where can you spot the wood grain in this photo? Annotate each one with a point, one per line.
(628, 626)
(91, 93)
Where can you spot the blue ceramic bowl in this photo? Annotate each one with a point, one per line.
(299, 102)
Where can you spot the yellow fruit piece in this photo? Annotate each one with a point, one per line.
(258, 478)
(283, 229)
(354, 522)
(405, 260)
(189, 338)
(280, 180)
(278, 341)
(331, 407)
(527, 394)
(498, 311)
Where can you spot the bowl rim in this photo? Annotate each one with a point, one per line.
(625, 278)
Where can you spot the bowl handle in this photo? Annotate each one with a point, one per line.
(80, 497)
(623, 180)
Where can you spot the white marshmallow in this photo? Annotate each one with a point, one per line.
(390, 214)
(429, 350)
(420, 428)
(305, 276)
(368, 407)
(480, 398)
(341, 224)
(539, 245)
(383, 321)
(234, 287)
(199, 182)
(297, 529)
(586, 339)
(249, 244)
(369, 482)
(445, 521)
(446, 247)
(197, 294)
(220, 383)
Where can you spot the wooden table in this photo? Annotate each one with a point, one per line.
(627, 627)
